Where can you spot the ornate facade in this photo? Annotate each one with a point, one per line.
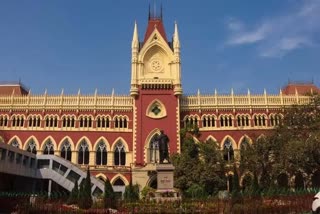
(115, 135)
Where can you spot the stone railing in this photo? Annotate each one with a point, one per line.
(265, 100)
(63, 102)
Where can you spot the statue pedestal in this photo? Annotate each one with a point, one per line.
(165, 190)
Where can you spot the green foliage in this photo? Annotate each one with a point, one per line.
(85, 198)
(196, 191)
(200, 164)
(73, 197)
(131, 193)
(109, 195)
(147, 192)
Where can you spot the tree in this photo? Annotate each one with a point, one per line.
(109, 195)
(73, 197)
(131, 193)
(85, 198)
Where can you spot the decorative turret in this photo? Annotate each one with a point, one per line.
(155, 61)
(134, 60)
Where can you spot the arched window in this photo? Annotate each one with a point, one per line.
(48, 148)
(244, 147)
(154, 149)
(15, 143)
(118, 182)
(119, 154)
(101, 154)
(83, 155)
(228, 153)
(32, 147)
(66, 150)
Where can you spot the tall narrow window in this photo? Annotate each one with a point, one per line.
(119, 154)
(228, 150)
(83, 155)
(32, 147)
(48, 148)
(66, 150)
(154, 149)
(101, 154)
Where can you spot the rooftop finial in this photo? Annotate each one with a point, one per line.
(149, 14)
(161, 11)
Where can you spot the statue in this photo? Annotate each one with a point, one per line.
(163, 141)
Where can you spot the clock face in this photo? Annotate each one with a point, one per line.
(156, 65)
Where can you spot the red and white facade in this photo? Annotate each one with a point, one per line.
(114, 135)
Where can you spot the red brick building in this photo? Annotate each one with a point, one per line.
(114, 135)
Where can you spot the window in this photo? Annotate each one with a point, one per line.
(101, 154)
(120, 122)
(103, 122)
(51, 121)
(83, 154)
(275, 119)
(119, 154)
(191, 120)
(17, 121)
(244, 147)
(34, 121)
(154, 149)
(85, 122)
(32, 147)
(48, 148)
(226, 121)
(242, 120)
(208, 121)
(66, 150)
(3, 120)
(15, 143)
(68, 121)
(228, 154)
(259, 120)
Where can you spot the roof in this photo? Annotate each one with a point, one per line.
(13, 88)
(301, 88)
(152, 24)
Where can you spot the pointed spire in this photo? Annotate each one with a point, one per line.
(96, 92)
(264, 91)
(79, 92)
(112, 93)
(232, 91)
(248, 91)
(135, 37)
(176, 41)
(149, 14)
(62, 91)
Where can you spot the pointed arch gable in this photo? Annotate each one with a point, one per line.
(150, 136)
(210, 137)
(98, 141)
(160, 43)
(100, 175)
(62, 141)
(119, 176)
(234, 144)
(35, 141)
(52, 141)
(15, 138)
(87, 140)
(124, 144)
(244, 137)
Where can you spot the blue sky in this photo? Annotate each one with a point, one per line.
(224, 43)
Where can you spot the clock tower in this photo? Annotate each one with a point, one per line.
(156, 89)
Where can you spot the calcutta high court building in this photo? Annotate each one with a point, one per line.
(115, 135)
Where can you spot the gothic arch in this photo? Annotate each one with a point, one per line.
(159, 46)
(244, 137)
(88, 142)
(62, 141)
(147, 144)
(210, 137)
(119, 176)
(96, 144)
(124, 144)
(234, 145)
(18, 140)
(101, 176)
(247, 173)
(35, 141)
(52, 140)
